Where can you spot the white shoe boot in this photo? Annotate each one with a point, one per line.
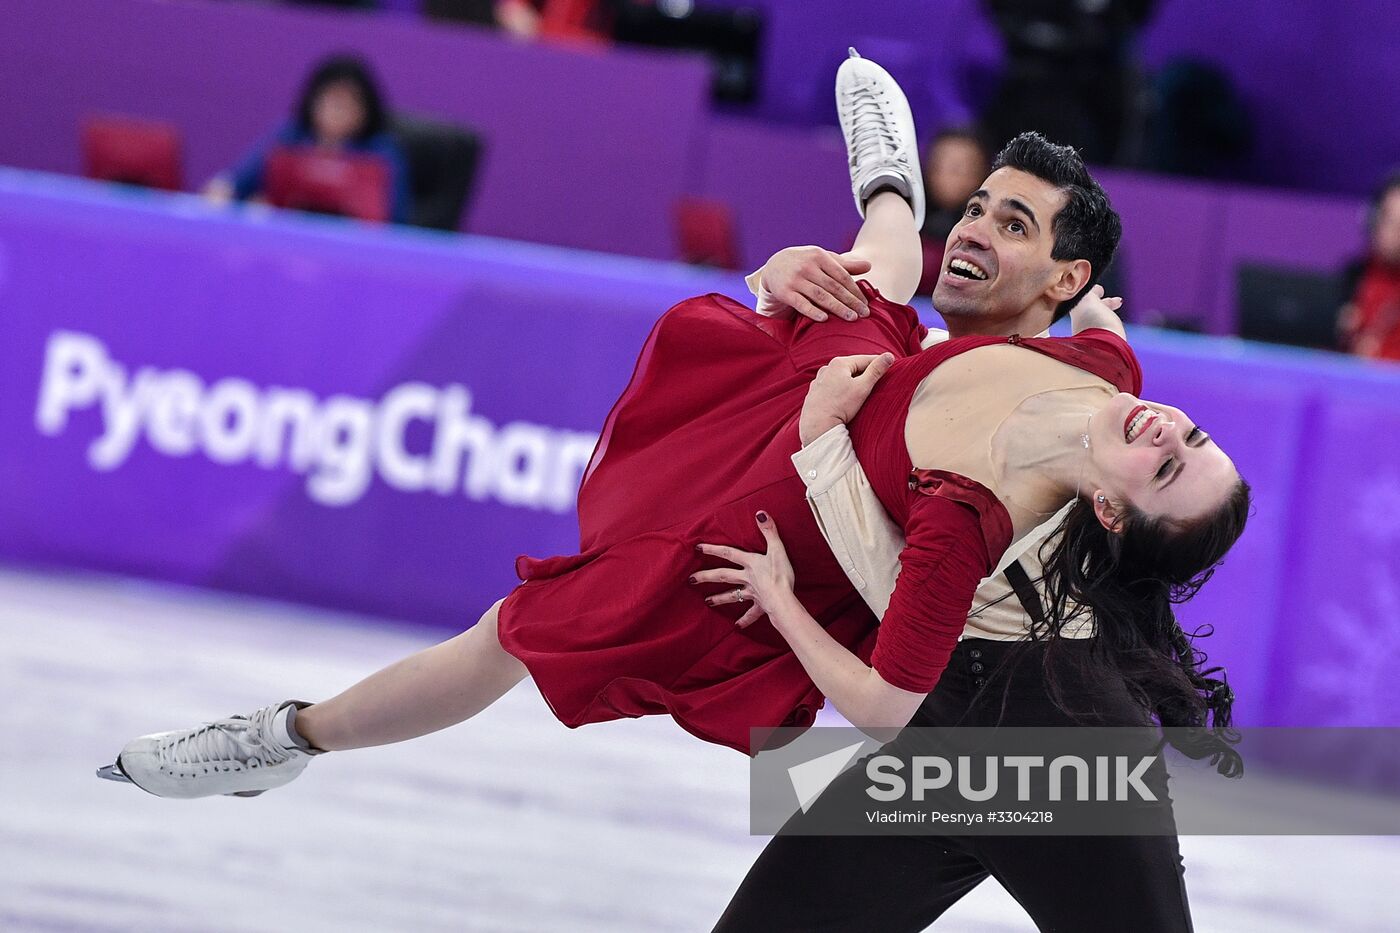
(880, 143)
(241, 756)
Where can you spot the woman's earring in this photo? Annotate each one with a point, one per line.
(1101, 498)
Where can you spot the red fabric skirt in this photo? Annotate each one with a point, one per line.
(698, 443)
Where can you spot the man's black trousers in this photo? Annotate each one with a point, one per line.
(1077, 884)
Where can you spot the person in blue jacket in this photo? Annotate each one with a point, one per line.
(340, 108)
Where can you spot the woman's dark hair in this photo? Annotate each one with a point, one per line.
(349, 69)
(1087, 227)
(1128, 580)
(1373, 211)
(964, 133)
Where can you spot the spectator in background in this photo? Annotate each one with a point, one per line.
(1198, 124)
(1070, 71)
(956, 164)
(520, 18)
(340, 108)
(532, 19)
(1370, 322)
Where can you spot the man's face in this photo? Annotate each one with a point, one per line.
(1385, 240)
(997, 270)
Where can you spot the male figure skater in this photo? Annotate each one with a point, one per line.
(997, 674)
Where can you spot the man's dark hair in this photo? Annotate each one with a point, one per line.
(353, 70)
(1087, 227)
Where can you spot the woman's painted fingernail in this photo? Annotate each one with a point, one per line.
(692, 581)
(699, 549)
(763, 518)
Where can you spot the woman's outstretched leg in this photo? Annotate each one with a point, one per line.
(431, 690)
(244, 756)
(886, 180)
(889, 241)
(887, 183)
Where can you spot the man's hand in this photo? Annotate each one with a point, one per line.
(812, 281)
(837, 393)
(1096, 310)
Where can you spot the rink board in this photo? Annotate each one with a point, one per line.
(381, 421)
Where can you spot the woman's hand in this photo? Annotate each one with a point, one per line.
(858, 692)
(837, 393)
(219, 191)
(1095, 310)
(766, 580)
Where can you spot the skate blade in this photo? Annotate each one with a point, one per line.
(113, 772)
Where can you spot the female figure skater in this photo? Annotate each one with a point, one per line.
(341, 109)
(968, 445)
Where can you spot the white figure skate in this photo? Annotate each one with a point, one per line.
(241, 756)
(879, 128)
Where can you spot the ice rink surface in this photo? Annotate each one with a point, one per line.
(508, 822)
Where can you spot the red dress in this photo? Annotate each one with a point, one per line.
(700, 441)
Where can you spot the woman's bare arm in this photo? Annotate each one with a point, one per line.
(856, 689)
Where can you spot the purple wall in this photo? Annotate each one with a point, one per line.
(942, 54)
(577, 153)
(190, 323)
(261, 312)
(590, 149)
(787, 186)
(1320, 78)
(1183, 241)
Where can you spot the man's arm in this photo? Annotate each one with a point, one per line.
(860, 534)
(862, 537)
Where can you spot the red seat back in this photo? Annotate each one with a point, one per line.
(706, 231)
(310, 179)
(136, 152)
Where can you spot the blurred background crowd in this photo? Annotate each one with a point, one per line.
(1136, 85)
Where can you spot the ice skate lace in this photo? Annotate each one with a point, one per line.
(238, 740)
(873, 138)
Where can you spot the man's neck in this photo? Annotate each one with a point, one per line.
(1026, 324)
